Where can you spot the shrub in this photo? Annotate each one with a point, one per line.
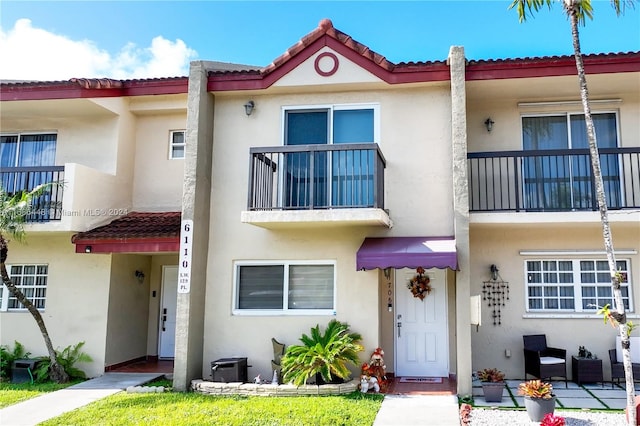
(7, 356)
(323, 354)
(67, 358)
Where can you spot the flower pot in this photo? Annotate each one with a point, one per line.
(493, 391)
(537, 408)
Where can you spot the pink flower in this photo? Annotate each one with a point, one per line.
(551, 420)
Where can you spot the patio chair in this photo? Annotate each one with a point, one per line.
(617, 368)
(542, 361)
(278, 353)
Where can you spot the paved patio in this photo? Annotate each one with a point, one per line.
(593, 396)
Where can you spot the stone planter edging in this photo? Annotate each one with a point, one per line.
(218, 388)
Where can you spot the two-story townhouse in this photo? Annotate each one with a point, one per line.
(317, 185)
(314, 187)
(533, 207)
(101, 252)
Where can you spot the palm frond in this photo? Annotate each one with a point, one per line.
(326, 354)
(15, 207)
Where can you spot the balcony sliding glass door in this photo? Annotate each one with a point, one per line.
(26, 151)
(341, 178)
(562, 181)
(26, 161)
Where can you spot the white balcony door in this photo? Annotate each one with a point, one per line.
(167, 337)
(421, 328)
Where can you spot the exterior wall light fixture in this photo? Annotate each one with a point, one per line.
(494, 272)
(387, 273)
(489, 124)
(140, 276)
(87, 249)
(249, 106)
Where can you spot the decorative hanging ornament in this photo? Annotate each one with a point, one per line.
(419, 285)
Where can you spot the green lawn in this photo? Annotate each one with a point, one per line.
(13, 393)
(196, 409)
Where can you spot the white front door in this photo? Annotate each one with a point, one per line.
(167, 339)
(422, 347)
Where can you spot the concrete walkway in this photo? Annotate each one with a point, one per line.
(426, 410)
(36, 410)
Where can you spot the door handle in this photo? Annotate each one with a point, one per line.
(399, 327)
(164, 319)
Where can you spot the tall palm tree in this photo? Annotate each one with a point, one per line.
(577, 12)
(13, 211)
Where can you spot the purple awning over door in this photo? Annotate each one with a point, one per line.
(407, 252)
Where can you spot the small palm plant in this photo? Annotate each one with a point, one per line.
(326, 355)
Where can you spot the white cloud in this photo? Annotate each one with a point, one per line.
(30, 53)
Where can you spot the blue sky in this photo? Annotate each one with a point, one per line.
(127, 39)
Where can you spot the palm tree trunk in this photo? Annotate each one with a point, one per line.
(56, 371)
(620, 315)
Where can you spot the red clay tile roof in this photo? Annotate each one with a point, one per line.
(227, 76)
(325, 27)
(135, 225)
(325, 35)
(90, 88)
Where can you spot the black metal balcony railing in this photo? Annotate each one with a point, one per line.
(48, 205)
(306, 177)
(552, 180)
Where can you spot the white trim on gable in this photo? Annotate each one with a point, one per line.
(347, 72)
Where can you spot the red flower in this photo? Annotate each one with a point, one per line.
(551, 420)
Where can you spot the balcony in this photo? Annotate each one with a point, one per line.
(91, 197)
(45, 207)
(316, 184)
(552, 180)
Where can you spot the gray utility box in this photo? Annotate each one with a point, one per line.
(227, 370)
(22, 370)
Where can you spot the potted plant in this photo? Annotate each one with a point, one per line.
(323, 355)
(492, 384)
(539, 399)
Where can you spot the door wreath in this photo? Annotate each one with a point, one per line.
(419, 285)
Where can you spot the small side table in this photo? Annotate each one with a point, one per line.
(586, 370)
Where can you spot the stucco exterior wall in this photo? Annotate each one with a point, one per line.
(501, 245)
(157, 183)
(85, 132)
(507, 129)
(77, 287)
(415, 130)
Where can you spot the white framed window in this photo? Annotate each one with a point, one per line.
(176, 144)
(32, 280)
(284, 287)
(573, 285)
